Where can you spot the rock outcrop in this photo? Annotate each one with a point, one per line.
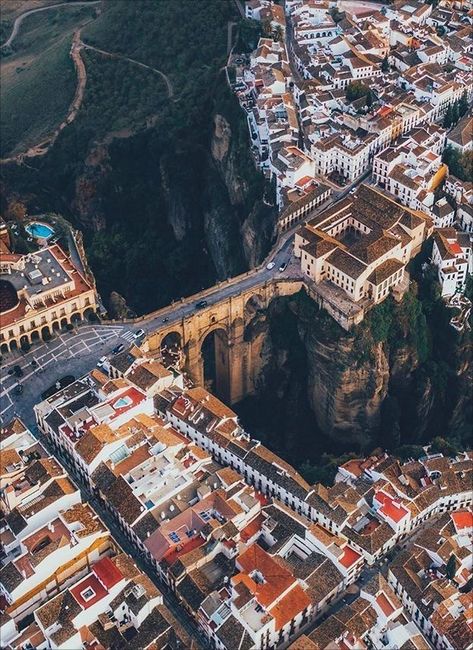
(342, 382)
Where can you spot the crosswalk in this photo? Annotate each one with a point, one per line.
(128, 336)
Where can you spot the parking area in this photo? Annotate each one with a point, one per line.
(24, 376)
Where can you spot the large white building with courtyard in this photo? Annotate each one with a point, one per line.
(40, 292)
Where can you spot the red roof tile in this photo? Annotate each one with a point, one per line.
(80, 590)
(107, 572)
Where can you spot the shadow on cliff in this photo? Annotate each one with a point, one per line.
(400, 380)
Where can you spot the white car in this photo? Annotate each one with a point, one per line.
(138, 334)
(101, 362)
(270, 266)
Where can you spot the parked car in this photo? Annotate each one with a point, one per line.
(101, 362)
(201, 304)
(18, 389)
(11, 370)
(34, 363)
(283, 267)
(270, 266)
(118, 348)
(139, 334)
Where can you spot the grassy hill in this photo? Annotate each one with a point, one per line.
(38, 77)
(11, 9)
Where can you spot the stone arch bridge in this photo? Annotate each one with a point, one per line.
(226, 320)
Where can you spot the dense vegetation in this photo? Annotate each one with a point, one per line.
(134, 170)
(460, 165)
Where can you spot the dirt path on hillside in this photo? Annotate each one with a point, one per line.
(77, 45)
(21, 17)
(43, 147)
(114, 55)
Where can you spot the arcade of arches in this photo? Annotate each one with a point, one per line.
(41, 331)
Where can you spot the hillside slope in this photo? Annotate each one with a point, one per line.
(163, 188)
(38, 76)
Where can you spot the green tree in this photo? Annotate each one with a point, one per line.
(455, 113)
(277, 34)
(463, 105)
(442, 446)
(385, 64)
(355, 90)
(448, 119)
(451, 567)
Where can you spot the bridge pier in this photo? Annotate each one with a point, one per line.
(237, 361)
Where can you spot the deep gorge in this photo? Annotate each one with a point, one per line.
(399, 380)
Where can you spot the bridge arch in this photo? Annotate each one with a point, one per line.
(214, 347)
(171, 350)
(171, 338)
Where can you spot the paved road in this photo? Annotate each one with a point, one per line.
(21, 17)
(74, 352)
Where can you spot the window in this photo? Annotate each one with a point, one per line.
(87, 594)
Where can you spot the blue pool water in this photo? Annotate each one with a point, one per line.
(39, 230)
(121, 402)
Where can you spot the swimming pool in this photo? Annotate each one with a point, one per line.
(39, 230)
(122, 402)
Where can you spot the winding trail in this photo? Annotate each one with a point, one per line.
(114, 55)
(19, 19)
(43, 147)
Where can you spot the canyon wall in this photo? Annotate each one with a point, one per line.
(325, 390)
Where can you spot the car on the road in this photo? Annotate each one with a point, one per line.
(18, 371)
(101, 362)
(201, 304)
(270, 266)
(58, 385)
(118, 348)
(18, 389)
(353, 190)
(139, 334)
(283, 267)
(165, 319)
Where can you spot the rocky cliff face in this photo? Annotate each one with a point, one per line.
(345, 398)
(342, 384)
(162, 217)
(256, 220)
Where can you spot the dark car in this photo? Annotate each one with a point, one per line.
(201, 304)
(18, 371)
(34, 363)
(118, 348)
(11, 370)
(18, 389)
(283, 267)
(58, 385)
